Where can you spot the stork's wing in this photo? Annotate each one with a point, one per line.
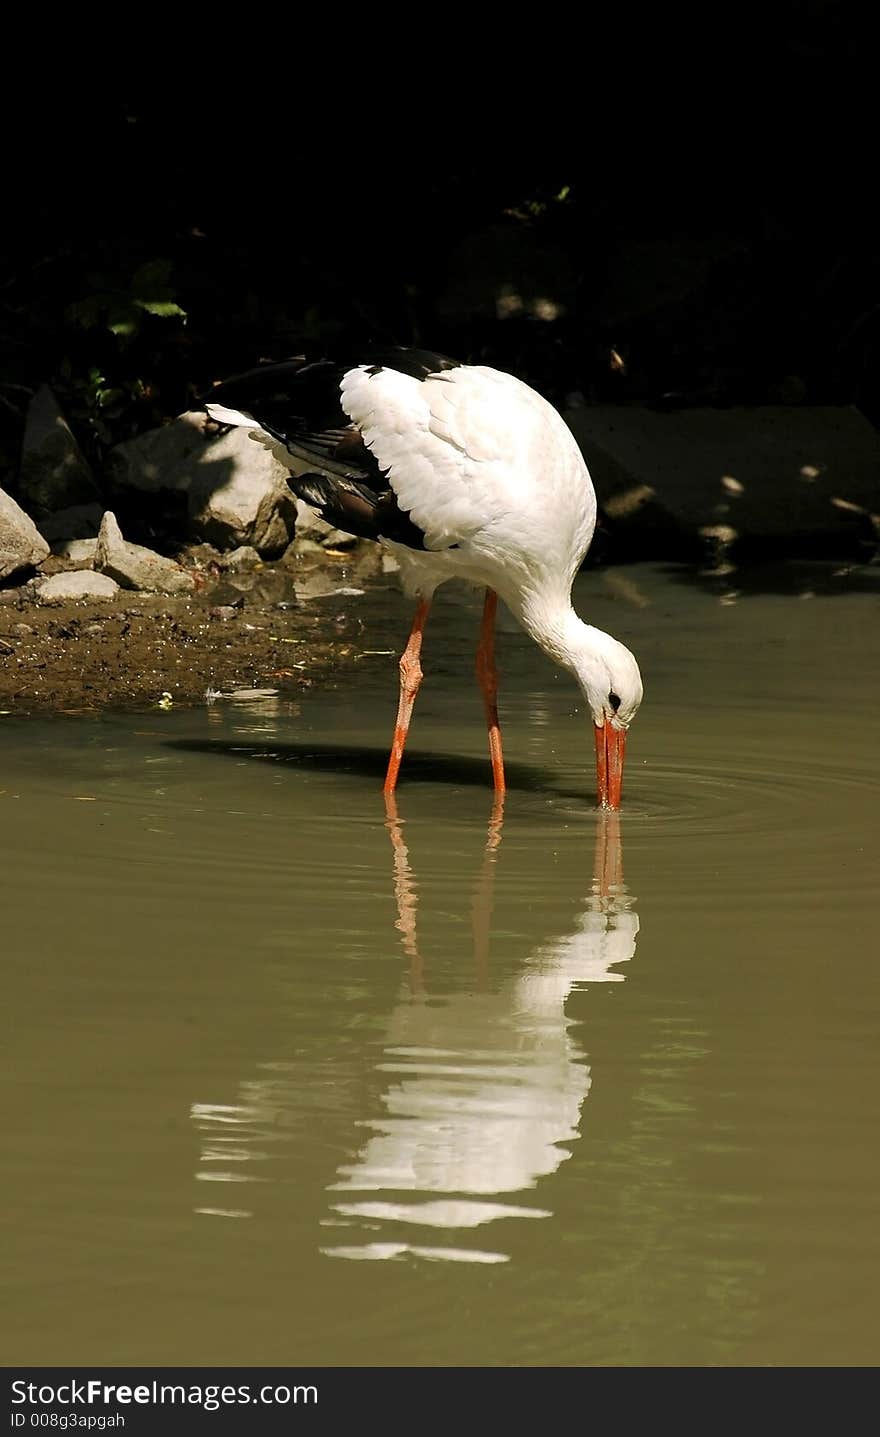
(463, 450)
(294, 409)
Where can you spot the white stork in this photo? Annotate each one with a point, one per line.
(463, 472)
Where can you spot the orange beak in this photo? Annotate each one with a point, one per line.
(610, 750)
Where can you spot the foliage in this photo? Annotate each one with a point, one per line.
(122, 311)
(106, 400)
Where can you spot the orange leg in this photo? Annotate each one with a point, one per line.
(488, 677)
(410, 680)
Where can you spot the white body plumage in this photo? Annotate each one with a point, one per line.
(492, 475)
(476, 457)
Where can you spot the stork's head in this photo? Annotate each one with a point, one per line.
(612, 686)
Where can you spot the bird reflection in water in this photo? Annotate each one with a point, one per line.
(484, 1088)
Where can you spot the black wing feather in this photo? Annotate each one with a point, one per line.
(298, 403)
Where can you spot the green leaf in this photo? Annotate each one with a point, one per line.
(164, 308)
(124, 326)
(103, 397)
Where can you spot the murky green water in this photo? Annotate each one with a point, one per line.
(289, 1081)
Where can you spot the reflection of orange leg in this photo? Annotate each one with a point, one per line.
(410, 680)
(404, 893)
(488, 677)
(481, 908)
(608, 862)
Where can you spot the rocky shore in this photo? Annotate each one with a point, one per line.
(217, 581)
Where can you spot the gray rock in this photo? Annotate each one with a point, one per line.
(244, 557)
(253, 507)
(236, 490)
(16, 597)
(338, 539)
(165, 458)
(72, 587)
(201, 556)
(54, 473)
(727, 475)
(21, 543)
(135, 567)
(298, 548)
(78, 551)
(80, 521)
(55, 564)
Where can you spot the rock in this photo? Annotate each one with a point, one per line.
(295, 551)
(165, 458)
(135, 567)
(80, 521)
(309, 524)
(794, 476)
(253, 507)
(202, 556)
(19, 597)
(244, 557)
(80, 584)
(56, 564)
(78, 551)
(21, 631)
(228, 596)
(54, 473)
(22, 546)
(236, 490)
(338, 539)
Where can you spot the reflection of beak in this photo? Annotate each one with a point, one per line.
(610, 749)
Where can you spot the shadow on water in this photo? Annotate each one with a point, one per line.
(363, 762)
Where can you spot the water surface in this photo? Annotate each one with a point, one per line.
(291, 1079)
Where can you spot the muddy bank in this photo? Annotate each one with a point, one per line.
(143, 650)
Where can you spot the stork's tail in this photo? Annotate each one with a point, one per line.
(222, 414)
(294, 409)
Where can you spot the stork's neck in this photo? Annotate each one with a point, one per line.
(551, 621)
(587, 652)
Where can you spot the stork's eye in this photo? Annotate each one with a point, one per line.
(614, 700)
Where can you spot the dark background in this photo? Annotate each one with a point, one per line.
(689, 219)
